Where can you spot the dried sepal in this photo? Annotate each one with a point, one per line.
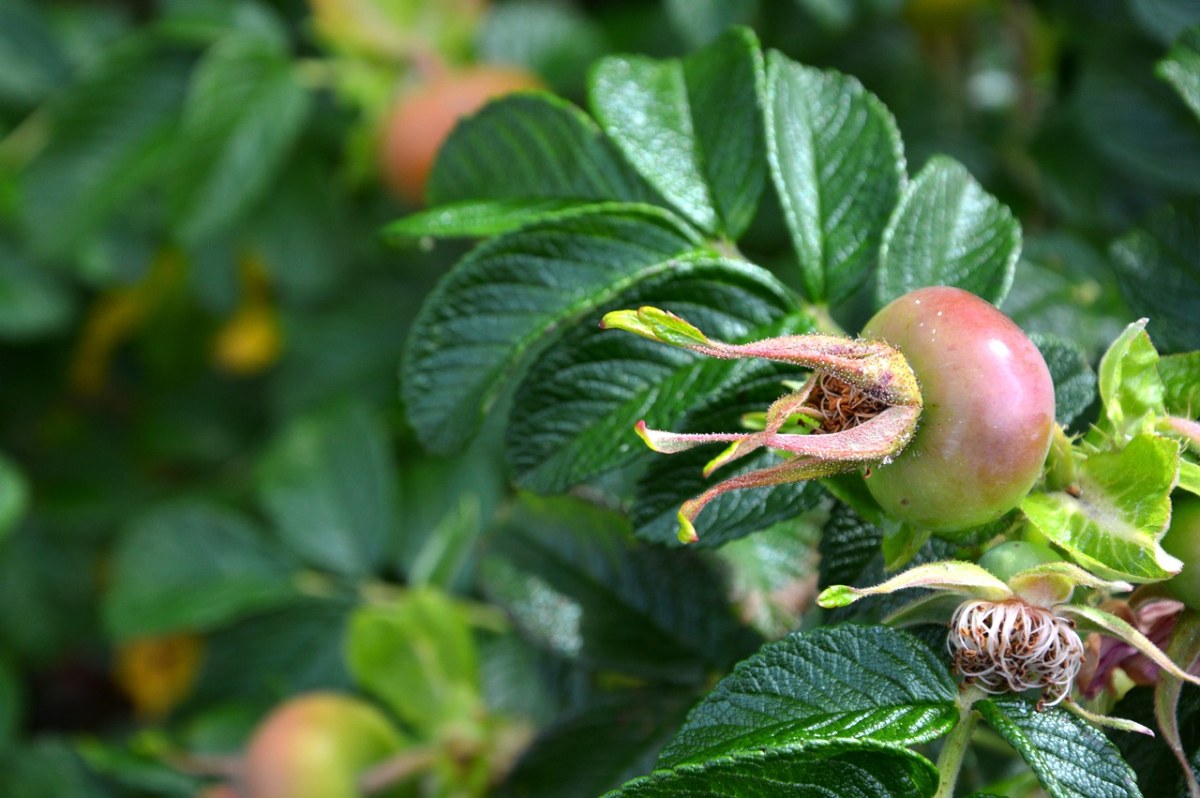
(956, 576)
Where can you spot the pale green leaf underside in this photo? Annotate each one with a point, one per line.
(948, 231)
(838, 165)
(1114, 525)
(833, 769)
(691, 127)
(1130, 387)
(574, 413)
(1180, 376)
(843, 682)
(1071, 758)
(502, 298)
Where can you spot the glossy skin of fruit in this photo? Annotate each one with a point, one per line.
(317, 746)
(988, 411)
(420, 123)
(1183, 540)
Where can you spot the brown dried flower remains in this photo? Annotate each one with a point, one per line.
(840, 406)
(1013, 645)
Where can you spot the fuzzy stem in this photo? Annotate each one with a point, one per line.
(957, 742)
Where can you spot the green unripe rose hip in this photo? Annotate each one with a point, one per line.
(988, 413)
(317, 746)
(1014, 556)
(1183, 541)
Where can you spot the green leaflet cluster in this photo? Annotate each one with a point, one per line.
(643, 203)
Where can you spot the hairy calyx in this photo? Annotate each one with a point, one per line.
(862, 397)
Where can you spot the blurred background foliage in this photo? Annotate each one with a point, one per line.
(209, 497)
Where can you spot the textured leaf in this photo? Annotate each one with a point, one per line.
(531, 146)
(1071, 758)
(848, 545)
(691, 127)
(948, 231)
(1114, 525)
(110, 135)
(244, 111)
(495, 305)
(1138, 122)
(1130, 387)
(1180, 376)
(838, 165)
(843, 682)
(671, 480)
(417, 654)
(607, 742)
(328, 483)
(1074, 380)
(829, 770)
(1158, 269)
(193, 567)
(574, 413)
(1181, 68)
(580, 585)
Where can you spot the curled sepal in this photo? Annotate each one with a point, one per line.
(874, 367)
(1090, 619)
(956, 576)
(1184, 429)
(1184, 647)
(1052, 583)
(1120, 724)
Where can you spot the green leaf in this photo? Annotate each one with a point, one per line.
(328, 483)
(1158, 269)
(12, 702)
(848, 545)
(1181, 68)
(293, 649)
(1071, 758)
(110, 135)
(669, 481)
(244, 112)
(607, 742)
(486, 218)
(691, 127)
(834, 769)
(1130, 388)
(948, 231)
(838, 166)
(14, 496)
(843, 682)
(1114, 525)
(578, 584)
(416, 654)
(1165, 19)
(193, 567)
(768, 570)
(32, 64)
(33, 301)
(1180, 376)
(531, 145)
(47, 768)
(574, 413)
(1137, 122)
(499, 301)
(701, 21)
(555, 41)
(1074, 380)
(1183, 649)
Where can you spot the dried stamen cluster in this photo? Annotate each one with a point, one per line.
(1012, 645)
(839, 406)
